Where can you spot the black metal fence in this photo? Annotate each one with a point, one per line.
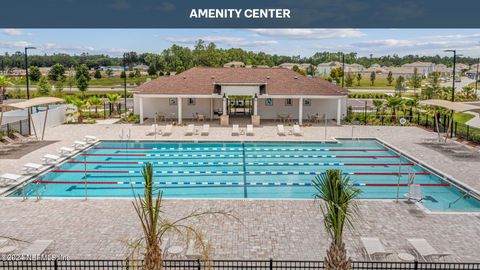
(20, 126)
(223, 264)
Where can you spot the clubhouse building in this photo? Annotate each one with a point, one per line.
(225, 94)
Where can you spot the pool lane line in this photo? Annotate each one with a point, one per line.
(197, 183)
(235, 172)
(247, 149)
(234, 155)
(241, 163)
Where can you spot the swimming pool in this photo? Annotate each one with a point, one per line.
(243, 170)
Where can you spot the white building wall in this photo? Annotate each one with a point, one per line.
(270, 112)
(152, 105)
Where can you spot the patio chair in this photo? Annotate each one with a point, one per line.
(23, 138)
(250, 130)
(65, 151)
(195, 116)
(297, 131)
(281, 130)
(190, 130)
(414, 193)
(90, 139)
(37, 248)
(49, 159)
(192, 253)
(9, 178)
(205, 130)
(168, 130)
(373, 247)
(31, 168)
(11, 142)
(424, 250)
(79, 144)
(235, 130)
(154, 129)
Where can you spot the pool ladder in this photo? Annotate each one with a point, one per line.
(466, 194)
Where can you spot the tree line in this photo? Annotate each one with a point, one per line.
(178, 58)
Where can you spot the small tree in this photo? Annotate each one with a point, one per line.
(98, 74)
(82, 77)
(359, 78)
(56, 73)
(138, 74)
(349, 80)
(415, 81)
(400, 85)
(339, 209)
(390, 78)
(4, 82)
(131, 74)
(34, 73)
(109, 72)
(373, 76)
(43, 87)
(152, 71)
(123, 75)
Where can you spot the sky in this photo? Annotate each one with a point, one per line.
(303, 42)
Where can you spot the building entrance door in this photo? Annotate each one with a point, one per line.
(240, 105)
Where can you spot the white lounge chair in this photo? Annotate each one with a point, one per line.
(65, 151)
(90, 139)
(9, 178)
(414, 193)
(11, 142)
(79, 144)
(235, 130)
(297, 131)
(37, 248)
(192, 253)
(190, 130)
(23, 138)
(373, 247)
(168, 130)
(424, 250)
(154, 129)
(250, 130)
(49, 159)
(205, 130)
(281, 130)
(31, 168)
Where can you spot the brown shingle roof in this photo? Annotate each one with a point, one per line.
(201, 81)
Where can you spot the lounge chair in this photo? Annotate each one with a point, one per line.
(414, 193)
(464, 153)
(235, 130)
(205, 130)
(31, 168)
(154, 129)
(190, 130)
(250, 130)
(65, 151)
(90, 139)
(373, 247)
(11, 142)
(281, 130)
(168, 130)
(79, 144)
(424, 250)
(5, 147)
(297, 131)
(9, 178)
(23, 138)
(37, 248)
(192, 253)
(49, 159)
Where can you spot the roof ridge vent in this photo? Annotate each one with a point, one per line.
(296, 77)
(213, 77)
(268, 76)
(184, 77)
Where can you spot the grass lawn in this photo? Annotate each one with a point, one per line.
(462, 117)
(365, 83)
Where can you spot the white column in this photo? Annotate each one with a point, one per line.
(339, 111)
(224, 109)
(300, 110)
(255, 106)
(141, 109)
(179, 106)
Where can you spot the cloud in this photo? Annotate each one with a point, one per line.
(229, 41)
(309, 33)
(14, 32)
(14, 45)
(166, 7)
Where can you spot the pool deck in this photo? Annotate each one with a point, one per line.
(278, 229)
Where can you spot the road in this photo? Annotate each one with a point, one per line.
(74, 89)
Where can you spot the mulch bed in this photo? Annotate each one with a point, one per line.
(26, 148)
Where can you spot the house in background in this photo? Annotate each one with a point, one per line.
(323, 69)
(234, 64)
(210, 92)
(423, 68)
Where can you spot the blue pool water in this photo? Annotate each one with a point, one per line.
(243, 170)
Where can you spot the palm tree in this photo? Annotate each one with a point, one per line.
(4, 82)
(113, 99)
(378, 103)
(80, 104)
(411, 103)
(394, 103)
(339, 209)
(96, 102)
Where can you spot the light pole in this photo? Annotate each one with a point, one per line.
(454, 62)
(125, 82)
(343, 69)
(476, 79)
(28, 85)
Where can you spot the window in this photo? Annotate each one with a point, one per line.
(191, 101)
(172, 101)
(307, 102)
(288, 102)
(269, 102)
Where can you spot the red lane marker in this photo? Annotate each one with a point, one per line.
(367, 156)
(110, 155)
(89, 171)
(405, 185)
(122, 148)
(73, 182)
(103, 162)
(357, 149)
(378, 164)
(388, 173)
